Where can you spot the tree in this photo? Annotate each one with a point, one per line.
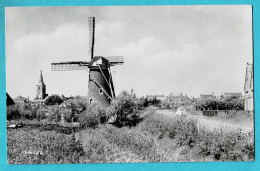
(53, 100)
(124, 109)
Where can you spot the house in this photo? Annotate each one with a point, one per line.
(156, 97)
(207, 96)
(233, 94)
(21, 100)
(176, 99)
(249, 88)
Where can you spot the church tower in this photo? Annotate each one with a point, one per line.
(40, 88)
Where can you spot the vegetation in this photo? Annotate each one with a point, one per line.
(13, 112)
(35, 147)
(124, 109)
(94, 115)
(53, 100)
(135, 135)
(222, 104)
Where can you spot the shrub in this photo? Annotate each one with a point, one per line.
(186, 131)
(180, 128)
(124, 109)
(220, 144)
(54, 114)
(13, 112)
(28, 111)
(97, 148)
(79, 105)
(156, 124)
(53, 100)
(94, 115)
(223, 104)
(68, 115)
(226, 145)
(41, 113)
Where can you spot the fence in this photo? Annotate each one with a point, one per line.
(215, 112)
(209, 112)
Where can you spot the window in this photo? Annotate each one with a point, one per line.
(90, 101)
(100, 91)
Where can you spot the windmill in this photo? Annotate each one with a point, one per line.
(100, 84)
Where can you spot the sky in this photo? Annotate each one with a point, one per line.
(191, 50)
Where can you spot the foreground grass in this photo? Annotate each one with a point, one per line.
(27, 146)
(155, 139)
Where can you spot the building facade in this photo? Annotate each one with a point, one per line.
(249, 88)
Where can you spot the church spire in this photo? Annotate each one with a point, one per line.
(41, 79)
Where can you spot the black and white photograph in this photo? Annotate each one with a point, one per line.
(129, 84)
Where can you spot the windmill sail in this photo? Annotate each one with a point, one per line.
(67, 66)
(100, 85)
(115, 60)
(91, 23)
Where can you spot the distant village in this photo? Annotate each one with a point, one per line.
(179, 98)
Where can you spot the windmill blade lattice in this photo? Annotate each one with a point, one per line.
(68, 66)
(91, 23)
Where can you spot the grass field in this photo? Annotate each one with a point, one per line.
(156, 139)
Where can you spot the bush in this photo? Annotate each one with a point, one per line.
(41, 113)
(54, 114)
(79, 105)
(98, 150)
(28, 111)
(223, 104)
(68, 115)
(53, 100)
(94, 115)
(154, 102)
(226, 145)
(13, 112)
(124, 109)
(231, 145)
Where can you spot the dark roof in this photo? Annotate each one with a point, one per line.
(9, 100)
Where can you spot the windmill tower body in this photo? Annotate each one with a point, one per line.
(100, 85)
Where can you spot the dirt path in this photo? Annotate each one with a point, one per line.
(209, 122)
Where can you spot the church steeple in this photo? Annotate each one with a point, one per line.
(41, 88)
(41, 79)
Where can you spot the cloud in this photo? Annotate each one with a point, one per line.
(36, 51)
